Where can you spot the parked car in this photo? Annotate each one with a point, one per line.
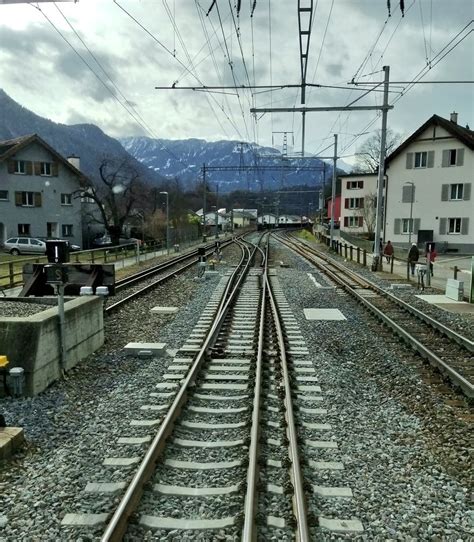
(106, 241)
(72, 246)
(24, 245)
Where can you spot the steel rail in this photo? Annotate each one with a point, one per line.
(458, 379)
(117, 526)
(463, 341)
(250, 509)
(299, 501)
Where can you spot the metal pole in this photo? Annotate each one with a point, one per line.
(62, 326)
(204, 237)
(167, 224)
(303, 130)
(217, 212)
(333, 193)
(411, 210)
(383, 137)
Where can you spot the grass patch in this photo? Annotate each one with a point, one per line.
(306, 235)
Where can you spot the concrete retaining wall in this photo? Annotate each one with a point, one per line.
(33, 342)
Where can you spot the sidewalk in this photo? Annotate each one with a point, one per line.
(443, 268)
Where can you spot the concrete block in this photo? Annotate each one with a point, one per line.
(134, 349)
(164, 310)
(11, 438)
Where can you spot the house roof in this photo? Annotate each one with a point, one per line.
(465, 135)
(9, 147)
(356, 175)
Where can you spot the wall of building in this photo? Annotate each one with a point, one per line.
(355, 220)
(430, 210)
(50, 187)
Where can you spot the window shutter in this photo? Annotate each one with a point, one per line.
(54, 169)
(346, 221)
(361, 203)
(409, 160)
(466, 191)
(29, 168)
(11, 166)
(442, 226)
(37, 166)
(459, 157)
(361, 184)
(444, 192)
(397, 225)
(430, 159)
(416, 225)
(37, 199)
(445, 159)
(346, 203)
(18, 198)
(348, 183)
(361, 221)
(406, 194)
(464, 226)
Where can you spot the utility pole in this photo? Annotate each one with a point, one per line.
(204, 237)
(383, 138)
(333, 193)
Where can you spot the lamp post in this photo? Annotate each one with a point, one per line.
(410, 223)
(167, 222)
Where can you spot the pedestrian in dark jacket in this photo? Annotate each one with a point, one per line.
(413, 257)
(388, 251)
(431, 256)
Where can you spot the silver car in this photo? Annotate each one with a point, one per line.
(24, 245)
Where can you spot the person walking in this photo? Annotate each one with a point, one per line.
(413, 257)
(431, 256)
(388, 251)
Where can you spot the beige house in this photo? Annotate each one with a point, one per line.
(358, 201)
(428, 194)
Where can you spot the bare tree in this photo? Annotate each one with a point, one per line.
(368, 154)
(369, 212)
(119, 193)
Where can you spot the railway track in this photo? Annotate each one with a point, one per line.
(448, 351)
(129, 287)
(236, 407)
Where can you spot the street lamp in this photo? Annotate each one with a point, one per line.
(167, 223)
(412, 193)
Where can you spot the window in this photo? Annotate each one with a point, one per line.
(354, 203)
(3, 195)
(23, 229)
(24, 240)
(355, 185)
(407, 225)
(87, 199)
(353, 221)
(421, 159)
(454, 225)
(46, 168)
(35, 243)
(452, 157)
(456, 191)
(28, 199)
(20, 167)
(67, 230)
(66, 199)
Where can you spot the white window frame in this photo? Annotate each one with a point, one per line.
(6, 198)
(25, 196)
(452, 222)
(355, 185)
(423, 160)
(46, 169)
(67, 230)
(22, 227)
(354, 203)
(20, 167)
(66, 199)
(407, 225)
(459, 189)
(353, 221)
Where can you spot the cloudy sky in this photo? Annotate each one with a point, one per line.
(173, 41)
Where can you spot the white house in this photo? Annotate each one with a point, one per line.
(428, 191)
(358, 200)
(267, 218)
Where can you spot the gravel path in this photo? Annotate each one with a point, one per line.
(406, 447)
(21, 309)
(74, 425)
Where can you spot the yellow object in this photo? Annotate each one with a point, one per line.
(3, 362)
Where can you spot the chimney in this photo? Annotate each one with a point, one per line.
(454, 117)
(74, 161)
